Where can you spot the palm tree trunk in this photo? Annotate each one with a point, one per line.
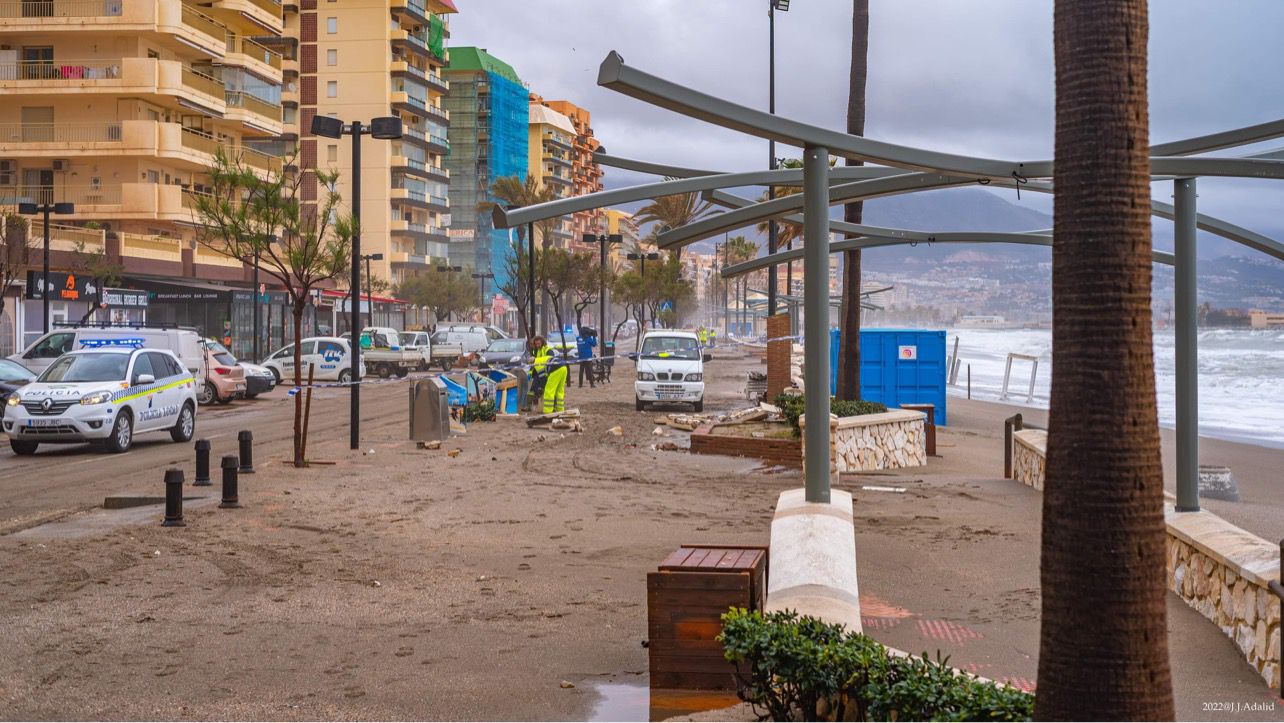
(849, 344)
(1103, 651)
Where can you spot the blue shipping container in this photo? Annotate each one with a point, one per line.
(898, 366)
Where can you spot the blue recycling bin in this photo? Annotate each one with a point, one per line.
(897, 367)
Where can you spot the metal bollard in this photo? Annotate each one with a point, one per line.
(246, 438)
(173, 498)
(202, 464)
(230, 499)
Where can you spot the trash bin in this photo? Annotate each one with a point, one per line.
(429, 411)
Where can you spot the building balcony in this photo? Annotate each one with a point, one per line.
(401, 100)
(558, 160)
(203, 255)
(555, 142)
(118, 17)
(438, 114)
(69, 238)
(265, 13)
(125, 201)
(169, 79)
(254, 57)
(254, 112)
(137, 138)
(408, 259)
(412, 42)
(556, 179)
(151, 247)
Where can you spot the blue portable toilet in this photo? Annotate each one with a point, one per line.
(898, 366)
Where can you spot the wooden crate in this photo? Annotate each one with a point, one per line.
(686, 598)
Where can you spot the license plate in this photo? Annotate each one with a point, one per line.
(668, 395)
(42, 422)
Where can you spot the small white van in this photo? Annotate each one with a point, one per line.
(329, 356)
(670, 368)
(185, 344)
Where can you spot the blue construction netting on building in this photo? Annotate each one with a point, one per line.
(509, 116)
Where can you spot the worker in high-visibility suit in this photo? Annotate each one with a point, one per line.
(554, 372)
(703, 335)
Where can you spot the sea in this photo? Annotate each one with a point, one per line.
(1241, 376)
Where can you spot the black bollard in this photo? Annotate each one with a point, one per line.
(202, 464)
(173, 498)
(246, 438)
(229, 466)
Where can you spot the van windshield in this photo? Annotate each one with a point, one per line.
(92, 367)
(670, 347)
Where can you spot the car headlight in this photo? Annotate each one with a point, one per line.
(646, 377)
(697, 377)
(515, 360)
(96, 398)
(14, 400)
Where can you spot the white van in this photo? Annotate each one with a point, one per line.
(329, 356)
(472, 337)
(670, 368)
(185, 344)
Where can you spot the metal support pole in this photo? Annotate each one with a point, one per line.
(816, 310)
(530, 275)
(601, 300)
(255, 347)
(1186, 344)
(354, 412)
(772, 232)
(44, 294)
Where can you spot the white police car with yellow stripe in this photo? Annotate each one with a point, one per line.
(105, 393)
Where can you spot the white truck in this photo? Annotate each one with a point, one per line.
(431, 354)
(383, 354)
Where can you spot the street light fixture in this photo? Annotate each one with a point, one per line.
(369, 283)
(603, 240)
(482, 277)
(643, 258)
(45, 209)
(384, 128)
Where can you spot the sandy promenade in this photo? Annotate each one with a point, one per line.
(406, 584)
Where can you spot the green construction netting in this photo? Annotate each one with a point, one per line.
(437, 36)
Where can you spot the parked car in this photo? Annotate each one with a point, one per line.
(670, 368)
(225, 380)
(105, 395)
(329, 356)
(383, 352)
(14, 376)
(258, 379)
(183, 343)
(504, 353)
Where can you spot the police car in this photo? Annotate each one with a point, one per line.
(105, 394)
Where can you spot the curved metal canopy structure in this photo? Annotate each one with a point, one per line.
(906, 169)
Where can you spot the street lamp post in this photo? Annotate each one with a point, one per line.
(370, 282)
(642, 258)
(481, 277)
(603, 240)
(772, 232)
(449, 293)
(45, 208)
(386, 128)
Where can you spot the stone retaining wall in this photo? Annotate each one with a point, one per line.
(773, 451)
(1028, 461)
(1219, 569)
(892, 440)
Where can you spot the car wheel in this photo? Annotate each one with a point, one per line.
(276, 376)
(185, 427)
(384, 371)
(698, 407)
(122, 434)
(446, 365)
(226, 400)
(23, 447)
(639, 405)
(251, 396)
(207, 396)
(402, 372)
(345, 376)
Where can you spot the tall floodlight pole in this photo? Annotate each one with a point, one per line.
(772, 233)
(816, 326)
(44, 208)
(603, 241)
(385, 128)
(1186, 345)
(530, 274)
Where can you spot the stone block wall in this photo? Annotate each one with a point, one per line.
(785, 452)
(1028, 457)
(1219, 569)
(778, 355)
(892, 440)
(1222, 572)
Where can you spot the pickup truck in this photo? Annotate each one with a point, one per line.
(440, 354)
(383, 354)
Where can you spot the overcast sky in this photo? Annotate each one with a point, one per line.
(970, 76)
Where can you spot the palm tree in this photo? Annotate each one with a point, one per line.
(515, 192)
(786, 233)
(739, 250)
(1103, 649)
(848, 386)
(669, 212)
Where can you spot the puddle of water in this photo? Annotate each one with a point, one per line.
(633, 702)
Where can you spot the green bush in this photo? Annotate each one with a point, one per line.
(483, 411)
(800, 668)
(792, 407)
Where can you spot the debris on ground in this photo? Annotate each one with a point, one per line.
(540, 420)
(658, 431)
(454, 453)
(567, 684)
(566, 425)
(666, 447)
(616, 431)
(434, 444)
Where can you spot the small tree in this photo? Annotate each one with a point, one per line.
(628, 291)
(516, 284)
(448, 294)
(587, 286)
(562, 274)
(249, 215)
(16, 249)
